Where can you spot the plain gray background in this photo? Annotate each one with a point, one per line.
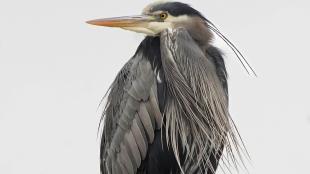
(54, 69)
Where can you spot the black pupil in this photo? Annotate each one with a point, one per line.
(163, 15)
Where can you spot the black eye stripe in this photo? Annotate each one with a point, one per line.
(177, 9)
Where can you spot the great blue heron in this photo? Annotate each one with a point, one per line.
(167, 109)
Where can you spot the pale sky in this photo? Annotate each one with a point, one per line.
(54, 69)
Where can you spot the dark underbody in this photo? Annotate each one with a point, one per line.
(160, 159)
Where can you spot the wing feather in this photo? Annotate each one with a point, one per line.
(147, 123)
(140, 136)
(153, 109)
(135, 110)
(121, 166)
(126, 161)
(133, 149)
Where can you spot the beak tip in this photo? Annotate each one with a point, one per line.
(90, 22)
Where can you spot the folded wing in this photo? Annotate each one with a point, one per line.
(131, 117)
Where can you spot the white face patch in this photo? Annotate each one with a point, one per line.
(173, 19)
(158, 27)
(153, 28)
(169, 23)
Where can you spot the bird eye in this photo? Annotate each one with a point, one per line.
(163, 15)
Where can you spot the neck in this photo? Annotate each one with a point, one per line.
(150, 48)
(199, 31)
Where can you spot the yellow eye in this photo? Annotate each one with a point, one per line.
(163, 15)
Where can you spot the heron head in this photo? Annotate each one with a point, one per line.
(157, 17)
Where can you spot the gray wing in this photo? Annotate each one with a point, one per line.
(131, 116)
(197, 105)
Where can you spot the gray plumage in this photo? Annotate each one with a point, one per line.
(167, 110)
(197, 108)
(196, 111)
(133, 115)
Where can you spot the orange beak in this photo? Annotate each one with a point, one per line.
(123, 22)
